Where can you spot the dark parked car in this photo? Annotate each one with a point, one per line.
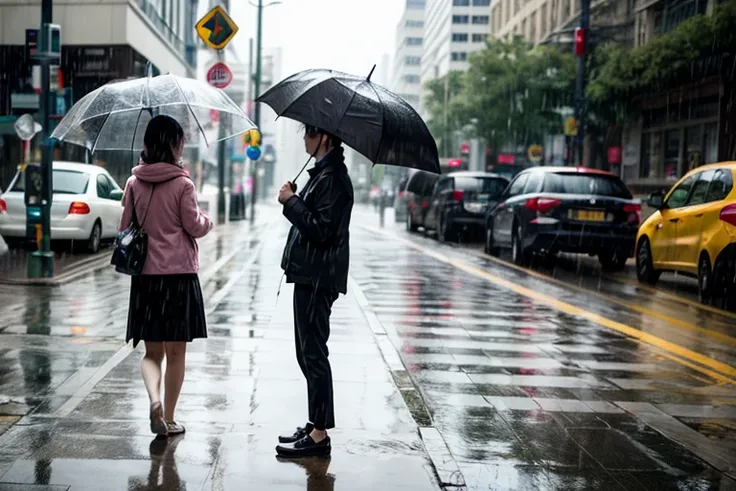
(458, 203)
(565, 209)
(401, 201)
(419, 190)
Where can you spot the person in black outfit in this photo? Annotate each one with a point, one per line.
(315, 260)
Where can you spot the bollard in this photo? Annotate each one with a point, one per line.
(381, 210)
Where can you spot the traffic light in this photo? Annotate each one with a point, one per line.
(579, 41)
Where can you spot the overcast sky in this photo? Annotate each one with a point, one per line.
(346, 35)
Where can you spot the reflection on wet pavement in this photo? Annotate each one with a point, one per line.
(243, 388)
(527, 396)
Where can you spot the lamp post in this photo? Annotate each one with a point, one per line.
(257, 108)
(581, 45)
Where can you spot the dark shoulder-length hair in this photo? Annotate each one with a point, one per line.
(163, 135)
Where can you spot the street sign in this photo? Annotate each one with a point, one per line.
(219, 75)
(535, 153)
(571, 127)
(216, 28)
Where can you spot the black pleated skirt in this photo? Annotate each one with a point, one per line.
(166, 308)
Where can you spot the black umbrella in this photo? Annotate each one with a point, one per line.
(369, 118)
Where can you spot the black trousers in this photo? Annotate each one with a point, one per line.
(312, 309)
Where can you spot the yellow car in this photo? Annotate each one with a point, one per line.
(693, 232)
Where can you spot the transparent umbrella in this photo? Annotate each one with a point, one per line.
(115, 116)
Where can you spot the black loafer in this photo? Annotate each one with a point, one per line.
(300, 433)
(306, 447)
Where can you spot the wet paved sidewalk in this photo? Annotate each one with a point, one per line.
(243, 388)
(529, 393)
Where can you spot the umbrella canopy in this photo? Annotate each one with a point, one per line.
(367, 117)
(115, 116)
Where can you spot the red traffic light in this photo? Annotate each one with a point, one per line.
(579, 41)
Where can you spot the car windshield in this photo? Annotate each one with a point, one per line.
(595, 184)
(65, 182)
(483, 187)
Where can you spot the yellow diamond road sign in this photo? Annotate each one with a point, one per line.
(216, 28)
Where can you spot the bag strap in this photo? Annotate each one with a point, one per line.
(135, 216)
(153, 189)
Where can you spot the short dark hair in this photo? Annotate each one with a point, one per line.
(163, 135)
(312, 130)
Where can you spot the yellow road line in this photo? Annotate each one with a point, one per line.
(679, 351)
(720, 378)
(674, 296)
(609, 298)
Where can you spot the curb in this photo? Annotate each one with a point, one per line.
(446, 470)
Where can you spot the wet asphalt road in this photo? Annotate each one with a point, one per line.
(448, 365)
(556, 378)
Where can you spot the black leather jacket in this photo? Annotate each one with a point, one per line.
(317, 251)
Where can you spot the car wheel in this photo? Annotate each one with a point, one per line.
(704, 279)
(723, 284)
(410, 223)
(612, 261)
(645, 271)
(489, 247)
(444, 234)
(93, 244)
(519, 254)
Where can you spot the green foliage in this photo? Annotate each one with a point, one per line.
(511, 93)
(441, 124)
(619, 74)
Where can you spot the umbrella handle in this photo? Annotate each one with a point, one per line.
(293, 183)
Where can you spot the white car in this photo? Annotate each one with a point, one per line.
(86, 205)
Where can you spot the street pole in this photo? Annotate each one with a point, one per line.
(580, 80)
(256, 109)
(221, 218)
(41, 263)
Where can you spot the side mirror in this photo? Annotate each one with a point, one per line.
(656, 200)
(116, 194)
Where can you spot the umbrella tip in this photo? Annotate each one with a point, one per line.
(370, 74)
(149, 69)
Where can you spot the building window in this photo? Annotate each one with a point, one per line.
(459, 56)
(411, 79)
(481, 3)
(460, 19)
(461, 3)
(415, 23)
(480, 19)
(459, 37)
(412, 60)
(414, 41)
(480, 38)
(415, 4)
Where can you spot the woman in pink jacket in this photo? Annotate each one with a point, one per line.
(166, 307)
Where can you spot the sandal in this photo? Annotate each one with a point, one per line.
(175, 428)
(158, 425)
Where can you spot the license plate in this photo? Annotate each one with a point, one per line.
(587, 215)
(474, 207)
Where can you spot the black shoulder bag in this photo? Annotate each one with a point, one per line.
(131, 245)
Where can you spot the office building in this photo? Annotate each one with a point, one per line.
(407, 70)
(452, 30)
(101, 41)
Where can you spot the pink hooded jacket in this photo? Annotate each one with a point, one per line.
(174, 220)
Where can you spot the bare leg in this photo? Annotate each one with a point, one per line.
(174, 378)
(151, 370)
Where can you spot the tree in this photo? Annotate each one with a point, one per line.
(622, 75)
(510, 94)
(444, 118)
